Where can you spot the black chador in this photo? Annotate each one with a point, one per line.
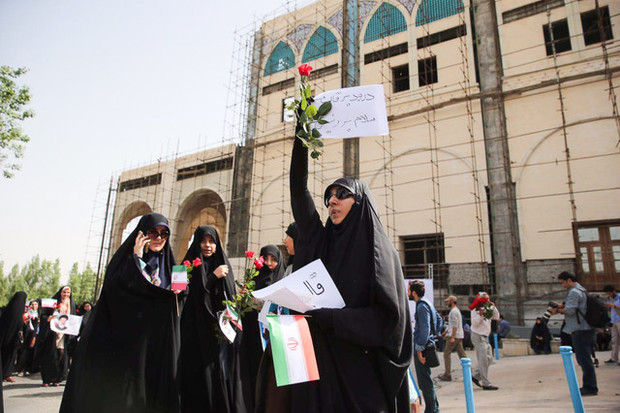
(11, 321)
(248, 346)
(126, 360)
(363, 350)
(206, 356)
(51, 347)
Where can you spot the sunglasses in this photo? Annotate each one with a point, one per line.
(154, 234)
(341, 193)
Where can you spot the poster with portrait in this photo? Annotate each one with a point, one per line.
(66, 323)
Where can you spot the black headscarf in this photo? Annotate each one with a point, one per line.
(127, 357)
(209, 291)
(11, 322)
(58, 298)
(291, 231)
(205, 359)
(363, 350)
(265, 276)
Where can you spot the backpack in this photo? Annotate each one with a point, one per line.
(437, 321)
(596, 311)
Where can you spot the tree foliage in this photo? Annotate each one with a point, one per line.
(41, 279)
(13, 98)
(38, 278)
(82, 283)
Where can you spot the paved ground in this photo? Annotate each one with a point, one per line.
(529, 383)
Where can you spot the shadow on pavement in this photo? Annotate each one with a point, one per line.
(46, 394)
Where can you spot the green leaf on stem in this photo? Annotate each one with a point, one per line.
(304, 102)
(324, 109)
(322, 121)
(311, 111)
(316, 133)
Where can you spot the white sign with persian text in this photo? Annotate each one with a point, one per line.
(307, 288)
(356, 112)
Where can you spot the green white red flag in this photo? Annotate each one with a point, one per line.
(292, 349)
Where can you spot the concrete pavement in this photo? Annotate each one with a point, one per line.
(535, 384)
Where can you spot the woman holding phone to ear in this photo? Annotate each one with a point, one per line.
(126, 360)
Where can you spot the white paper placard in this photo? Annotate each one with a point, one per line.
(226, 327)
(307, 288)
(66, 323)
(356, 112)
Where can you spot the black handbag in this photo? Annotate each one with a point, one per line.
(430, 354)
(430, 351)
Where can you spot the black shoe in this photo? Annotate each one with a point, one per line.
(443, 377)
(476, 382)
(587, 392)
(610, 361)
(490, 387)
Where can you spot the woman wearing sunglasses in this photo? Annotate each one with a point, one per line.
(364, 349)
(126, 360)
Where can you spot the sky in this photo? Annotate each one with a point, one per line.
(115, 84)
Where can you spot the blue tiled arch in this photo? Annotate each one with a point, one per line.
(386, 21)
(322, 43)
(281, 58)
(433, 10)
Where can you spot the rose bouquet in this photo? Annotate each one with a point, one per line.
(483, 305)
(196, 262)
(242, 302)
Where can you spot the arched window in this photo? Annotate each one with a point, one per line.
(432, 10)
(321, 44)
(281, 58)
(386, 21)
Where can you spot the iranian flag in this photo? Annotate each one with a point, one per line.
(293, 353)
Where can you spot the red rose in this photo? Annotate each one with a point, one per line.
(197, 262)
(305, 70)
(259, 263)
(249, 254)
(187, 263)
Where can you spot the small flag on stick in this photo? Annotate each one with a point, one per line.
(293, 352)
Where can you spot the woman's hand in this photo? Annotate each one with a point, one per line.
(141, 241)
(221, 271)
(176, 291)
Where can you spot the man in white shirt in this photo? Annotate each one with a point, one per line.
(480, 330)
(453, 336)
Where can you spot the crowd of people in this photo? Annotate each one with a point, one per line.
(30, 345)
(146, 347)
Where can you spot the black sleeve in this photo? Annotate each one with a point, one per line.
(304, 210)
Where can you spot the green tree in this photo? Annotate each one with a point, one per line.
(4, 286)
(13, 98)
(82, 283)
(38, 278)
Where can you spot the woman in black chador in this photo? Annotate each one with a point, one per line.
(363, 350)
(126, 360)
(249, 348)
(540, 340)
(11, 322)
(205, 366)
(51, 346)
